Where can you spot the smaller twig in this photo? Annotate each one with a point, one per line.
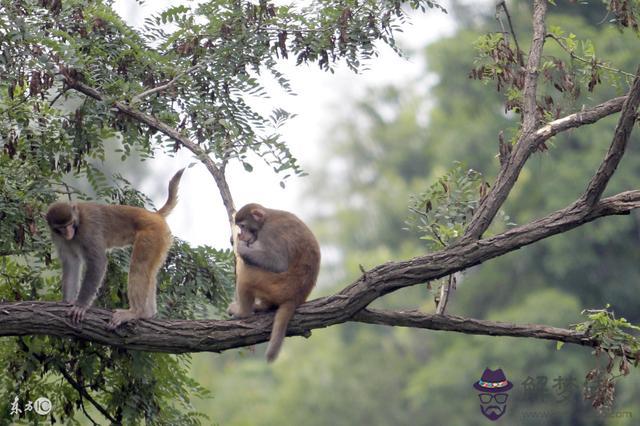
(513, 34)
(437, 235)
(136, 99)
(81, 390)
(499, 19)
(445, 292)
(83, 393)
(84, 410)
(56, 97)
(503, 5)
(68, 193)
(604, 19)
(504, 150)
(172, 133)
(418, 212)
(564, 47)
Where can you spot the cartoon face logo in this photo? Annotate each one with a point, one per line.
(493, 387)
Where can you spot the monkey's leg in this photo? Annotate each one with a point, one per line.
(149, 252)
(71, 267)
(94, 275)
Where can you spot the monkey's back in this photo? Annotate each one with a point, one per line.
(128, 220)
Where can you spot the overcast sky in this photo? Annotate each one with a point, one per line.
(200, 217)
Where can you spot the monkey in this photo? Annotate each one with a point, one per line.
(277, 267)
(82, 233)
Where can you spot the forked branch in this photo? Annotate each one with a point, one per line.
(522, 150)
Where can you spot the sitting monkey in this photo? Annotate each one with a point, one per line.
(277, 266)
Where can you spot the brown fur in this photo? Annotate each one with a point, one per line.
(83, 232)
(281, 234)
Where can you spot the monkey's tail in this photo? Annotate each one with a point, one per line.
(279, 330)
(173, 194)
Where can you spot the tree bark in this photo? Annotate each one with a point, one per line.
(179, 336)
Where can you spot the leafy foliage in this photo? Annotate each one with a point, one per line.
(617, 344)
(440, 214)
(128, 386)
(609, 330)
(500, 59)
(195, 281)
(208, 60)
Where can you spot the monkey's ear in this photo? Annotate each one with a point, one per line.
(258, 215)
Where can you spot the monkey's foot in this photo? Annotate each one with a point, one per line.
(121, 316)
(76, 313)
(236, 311)
(232, 308)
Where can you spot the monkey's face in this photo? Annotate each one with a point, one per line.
(250, 220)
(247, 233)
(68, 231)
(63, 220)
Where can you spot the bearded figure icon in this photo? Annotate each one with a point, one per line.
(493, 387)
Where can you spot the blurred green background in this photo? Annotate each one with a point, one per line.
(395, 143)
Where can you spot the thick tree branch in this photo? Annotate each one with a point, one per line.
(529, 98)
(528, 144)
(178, 336)
(586, 116)
(417, 319)
(607, 168)
(578, 119)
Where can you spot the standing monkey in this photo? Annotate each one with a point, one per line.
(277, 266)
(83, 232)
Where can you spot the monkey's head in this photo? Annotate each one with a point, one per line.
(250, 220)
(63, 219)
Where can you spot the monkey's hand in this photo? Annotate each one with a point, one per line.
(76, 313)
(243, 244)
